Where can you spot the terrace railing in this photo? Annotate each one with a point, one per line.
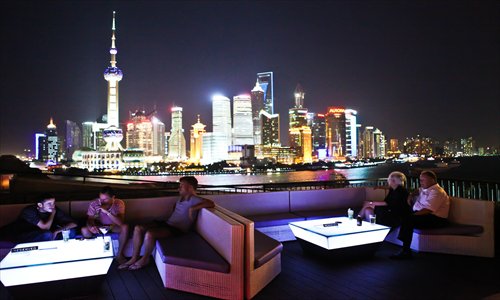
(86, 187)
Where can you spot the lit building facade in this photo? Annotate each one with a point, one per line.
(270, 124)
(335, 123)
(41, 151)
(318, 134)
(242, 120)
(72, 138)
(266, 82)
(368, 142)
(146, 132)
(176, 142)
(379, 144)
(196, 142)
(207, 146)
(301, 144)
(221, 121)
(52, 143)
(257, 106)
(299, 131)
(351, 149)
(418, 146)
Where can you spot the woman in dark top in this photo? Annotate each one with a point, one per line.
(395, 204)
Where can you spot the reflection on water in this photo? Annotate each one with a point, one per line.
(471, 168)
(299, 176)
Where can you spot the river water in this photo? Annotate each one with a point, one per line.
(471, 168)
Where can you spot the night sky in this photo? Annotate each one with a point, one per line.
(423, 67)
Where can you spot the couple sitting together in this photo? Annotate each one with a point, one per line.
(426, 207)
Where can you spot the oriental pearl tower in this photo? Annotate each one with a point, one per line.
(113, 135)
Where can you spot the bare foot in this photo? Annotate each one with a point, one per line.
(127, 264)
(121, 259)
(144, 261)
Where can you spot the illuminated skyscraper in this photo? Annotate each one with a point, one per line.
(257, 106)
(242, 120)
(318, 133)
(196, 142)
(351, 133)
(177, 142)
(299, 96)
(368, 142)
(146, 132)
(270, 124)
(265, 81)
(221, 121)
(301, 144)
(72, 138)
(335, 132)
(378, 143)
(299, 131)
(52, 144)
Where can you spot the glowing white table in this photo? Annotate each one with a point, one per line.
(54, 262)
(345, 237)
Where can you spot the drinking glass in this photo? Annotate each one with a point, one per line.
(373, 219)
(65, 234)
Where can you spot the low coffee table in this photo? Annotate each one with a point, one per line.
(56, 267)
(345, 239)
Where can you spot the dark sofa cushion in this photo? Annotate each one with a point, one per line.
(265, 248)
(191, 250)
(452, 229)
(274, 219)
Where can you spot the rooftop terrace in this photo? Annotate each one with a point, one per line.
(427, 276)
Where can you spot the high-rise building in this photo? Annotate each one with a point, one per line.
(270, 124)
(41, 150)
(301, 144)
(299, 96)
(242, 120)
(299, 131)
(257, 106)
(145, 131)
(52, 143)
(418, 145)
(221, 121)
(196, 141)
(206, 148)
(379, 143)
(335, 132)
(394, 145)
(393, 148)
(368, 142)
(266, 82)
(351, 138)
(177, 142)
(72, 138)
(318, 132)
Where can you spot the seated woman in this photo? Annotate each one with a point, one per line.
(395, 203)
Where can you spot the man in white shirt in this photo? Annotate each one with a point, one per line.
(181, 221)
(431, 205)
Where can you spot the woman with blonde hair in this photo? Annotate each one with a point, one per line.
(395, 203)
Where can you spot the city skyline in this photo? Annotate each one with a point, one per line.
(69, 40)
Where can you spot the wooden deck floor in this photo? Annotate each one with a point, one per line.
(427, 276)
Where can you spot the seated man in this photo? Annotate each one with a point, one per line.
(431, 205)
(181, 221)
(42, 221)
(107, 211)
